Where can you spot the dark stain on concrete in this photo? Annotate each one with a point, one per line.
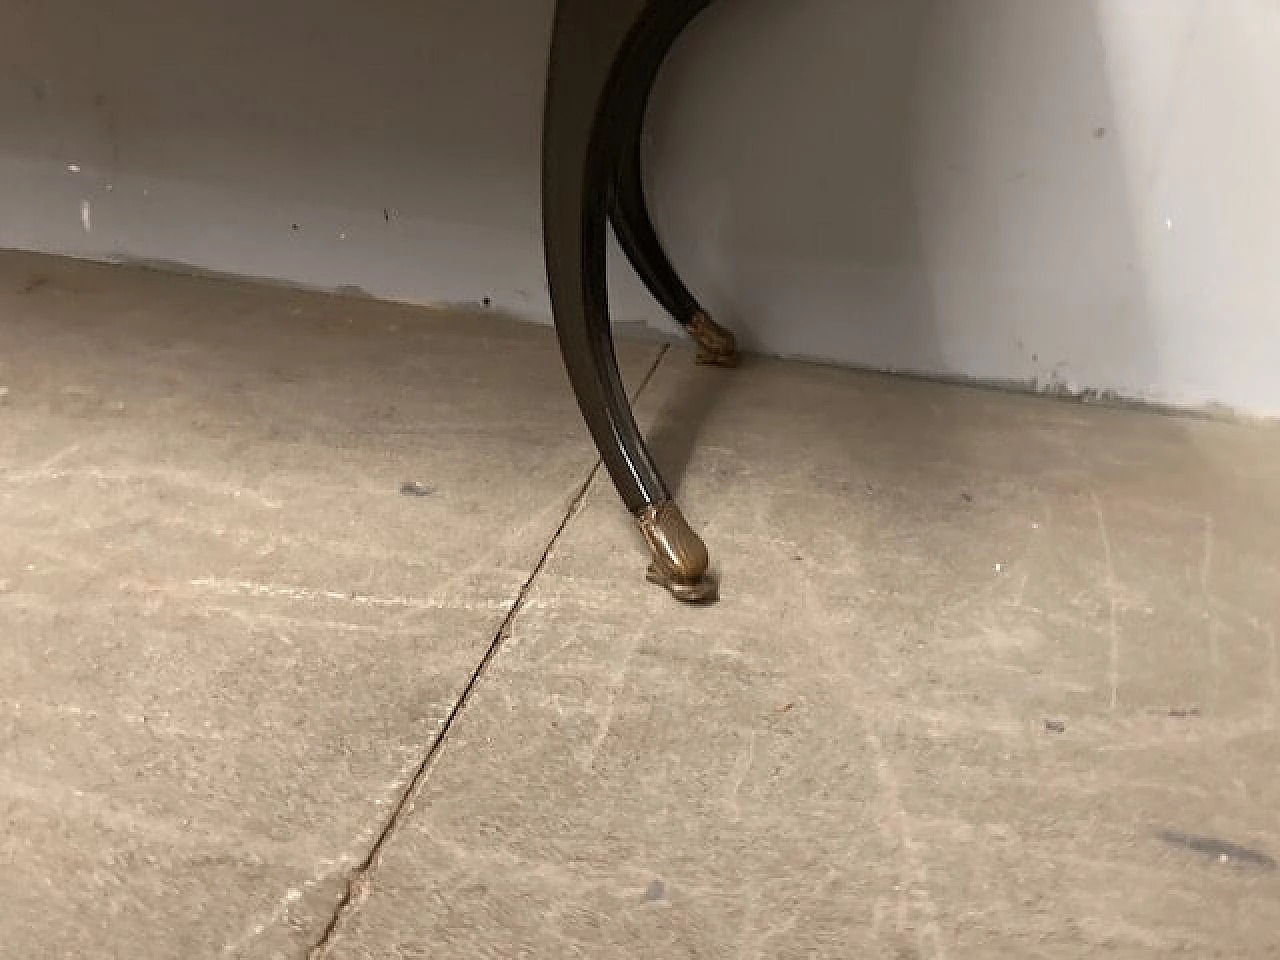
(1218, 849)
(656, 893)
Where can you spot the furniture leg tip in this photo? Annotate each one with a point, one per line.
(680, 559)
(717, 347)
(701, 592)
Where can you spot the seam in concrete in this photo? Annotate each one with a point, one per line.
(358, 882)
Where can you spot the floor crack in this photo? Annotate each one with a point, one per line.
(358, 881)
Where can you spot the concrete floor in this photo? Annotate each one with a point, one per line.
(993, 676)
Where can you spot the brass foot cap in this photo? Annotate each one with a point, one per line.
(680, 559)
(704, 590)
(717, 347)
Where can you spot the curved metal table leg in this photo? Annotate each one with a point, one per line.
(596, 45)
(629, 211)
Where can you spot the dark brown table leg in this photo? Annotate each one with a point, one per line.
(604, 56)
(629, 211)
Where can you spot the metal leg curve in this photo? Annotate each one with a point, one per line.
(581, 149)
(629, 209)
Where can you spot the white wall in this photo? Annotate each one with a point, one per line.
(1080, 193)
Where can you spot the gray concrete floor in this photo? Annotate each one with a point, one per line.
(992, 676)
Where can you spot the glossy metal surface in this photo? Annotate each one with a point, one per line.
(717, 347)
(680, 558)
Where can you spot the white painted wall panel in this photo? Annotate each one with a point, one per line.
(1079, 193)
